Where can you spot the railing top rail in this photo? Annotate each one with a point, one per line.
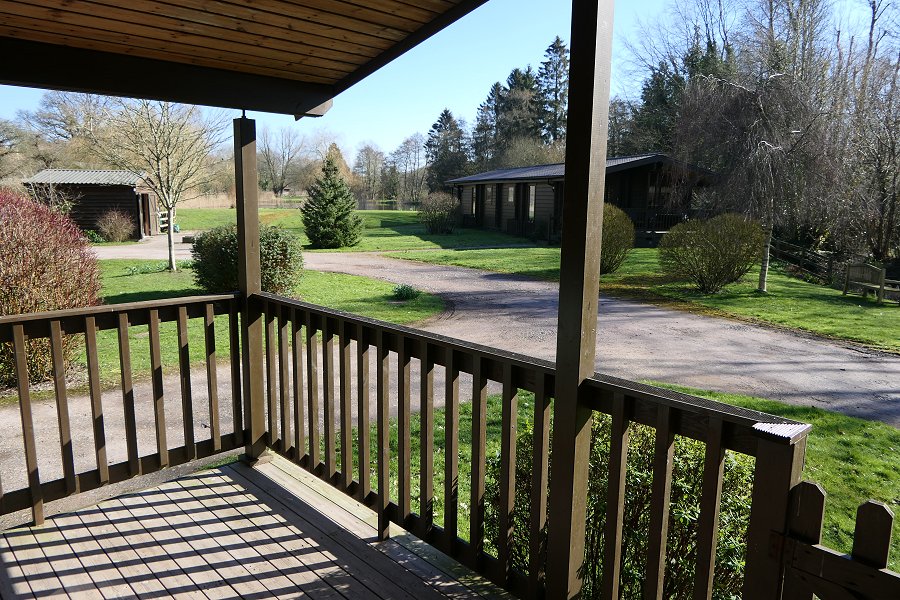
(764, 425)
(519, 360)
(104, 309)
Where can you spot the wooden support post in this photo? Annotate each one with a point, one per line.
(247, 202)
(778, 468)
(591, 44)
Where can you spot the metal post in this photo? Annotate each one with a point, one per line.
(591, 50)
(247, 203)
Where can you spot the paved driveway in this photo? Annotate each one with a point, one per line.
(634, 340)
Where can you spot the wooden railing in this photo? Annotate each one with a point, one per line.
(124, 319)
(329, 412)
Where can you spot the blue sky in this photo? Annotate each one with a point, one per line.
(454, 69)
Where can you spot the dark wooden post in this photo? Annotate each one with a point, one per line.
(592, 22)
(246, 190)
(779, 463)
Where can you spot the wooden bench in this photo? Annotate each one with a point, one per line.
(871, 279)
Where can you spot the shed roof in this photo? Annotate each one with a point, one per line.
(271, 55)
(558, 170)
(85, 177)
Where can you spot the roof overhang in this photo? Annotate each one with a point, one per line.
(276, 56)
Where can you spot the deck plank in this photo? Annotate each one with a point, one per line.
(231, 532)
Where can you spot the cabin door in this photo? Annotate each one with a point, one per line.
(479, 205)
(498, 206)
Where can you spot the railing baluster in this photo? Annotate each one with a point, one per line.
(509, 421)
(540, 462)
(312, 382)
(159, 400)
(806, 517)
(451, 452)
(403, 426)
(426, 445)
(615, 497)
(134, 463)
(382, 400)
(659, 504)
(62, 408)
(328, 385)
(710, 499)
(212, 380)
(31, 461)
(271, 375)
(362, 419)
(184, 371)
(299, 409)
(284, 379)
(346, 385)
(479, 439)
(234, 342)
(90, 341)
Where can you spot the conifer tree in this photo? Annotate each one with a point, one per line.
(553, 83)
(329, 212)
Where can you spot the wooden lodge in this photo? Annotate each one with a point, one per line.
(109, 492)
(96, 192)
(654, 190)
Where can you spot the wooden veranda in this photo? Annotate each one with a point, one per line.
(328, 391)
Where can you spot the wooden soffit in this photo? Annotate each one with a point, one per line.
(268, 55)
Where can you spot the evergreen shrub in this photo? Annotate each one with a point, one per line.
(215, 258)
(618, 238)
(713, 253)
(47, 265)
(438, 212)
(329, 213)
(687, 484)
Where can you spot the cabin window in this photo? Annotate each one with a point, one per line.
(510, 193)
(532, 199)
(474, 201)
(489, 197)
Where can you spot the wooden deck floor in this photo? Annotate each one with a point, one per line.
(272, 531)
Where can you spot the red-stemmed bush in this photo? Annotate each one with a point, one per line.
(46, 264)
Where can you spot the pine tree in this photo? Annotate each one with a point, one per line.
(520, 110)
(485, 136)
(329, 212)
(446, 151)
(553, 84)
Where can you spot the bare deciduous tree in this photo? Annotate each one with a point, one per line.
(168, 143)
(278, 157)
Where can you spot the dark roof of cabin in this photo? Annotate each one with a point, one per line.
(557, 171)
(84, 177)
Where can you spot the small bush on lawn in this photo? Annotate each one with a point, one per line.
(215, 257)
(687, 480)
(47, 265)
(329, 213)
(115, 226)
(405, 292)
(438, 213)
(618, 238)
(93, 237)
(711, 254)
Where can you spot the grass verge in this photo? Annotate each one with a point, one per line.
(790, 302)
(383, 230)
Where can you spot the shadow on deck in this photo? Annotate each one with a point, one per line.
(229, 532)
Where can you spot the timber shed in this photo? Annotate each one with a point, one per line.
(95, 192)
(655, 191)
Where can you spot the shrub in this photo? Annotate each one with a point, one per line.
(438, 213)
(215, 259)
(115, 226)
(329, 211)
(711, 254)
(618, 238)
(405, 292)
(687, 480)
(93, 237)
(47, 265)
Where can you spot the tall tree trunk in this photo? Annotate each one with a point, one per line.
(170, 234)
(764, 260)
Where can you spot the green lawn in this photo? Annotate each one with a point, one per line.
(137, 280)
(790, 303)
(383, 230)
